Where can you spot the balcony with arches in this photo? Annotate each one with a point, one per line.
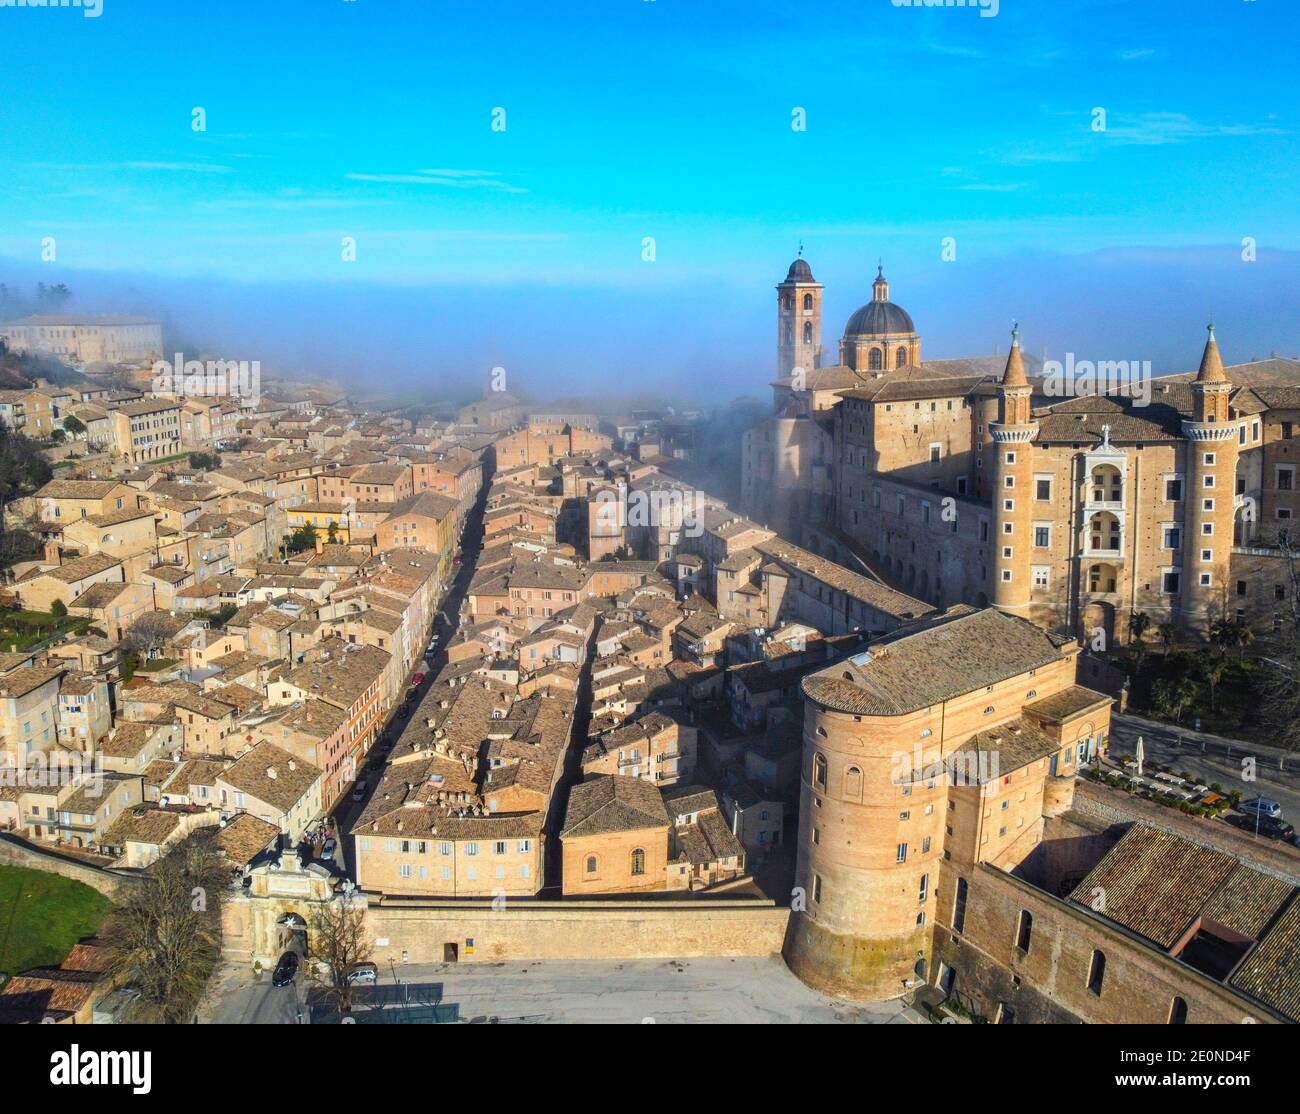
(1105, 488)
(1101, 578)
(1103, 536)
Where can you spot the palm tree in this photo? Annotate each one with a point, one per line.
(1244, 637)
(1213, 668)
(1138, 624)
(1166, 632)
(1222, 634)
(1174, 695)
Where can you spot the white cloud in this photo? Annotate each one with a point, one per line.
(186, 167)
(455, 179)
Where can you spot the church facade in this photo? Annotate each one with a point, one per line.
(976, 481)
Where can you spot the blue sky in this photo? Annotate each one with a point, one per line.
(669, 119)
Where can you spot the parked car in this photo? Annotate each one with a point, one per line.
(1275, 829)
(359, 793)
(418, 679)
(1261, 806)
(363, 973)
(285, 970)
(330, 846)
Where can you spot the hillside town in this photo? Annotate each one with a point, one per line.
(515, 660)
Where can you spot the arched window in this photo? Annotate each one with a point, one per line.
(638, 861)
(1097, 972)
(819, 771)
(591, 864)
(959, 906)
(1178, 1011)
(876, 360)
(807, 301)
(807, 332)
(853, 782)
(900, 357)
(1025, 930)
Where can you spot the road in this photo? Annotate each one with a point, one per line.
(445, 624)
(1211, 758)
(235, 998)
(610, 992)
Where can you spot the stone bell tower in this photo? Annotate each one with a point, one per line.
(798, 320)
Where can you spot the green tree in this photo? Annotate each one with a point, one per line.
(58, 609)
(1213, 667)
(1174, 695)
(74, 425)
(301, 539)
(1166, 631)
(1223, 634)
(1245, 635)
(1138, 624)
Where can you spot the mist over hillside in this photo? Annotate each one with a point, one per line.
(705, 339)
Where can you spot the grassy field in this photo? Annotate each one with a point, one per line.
(26, 628)
(41, 916)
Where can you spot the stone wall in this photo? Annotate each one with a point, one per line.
(472, 931)
(18, 853)
(1048, 983)
(542, 930)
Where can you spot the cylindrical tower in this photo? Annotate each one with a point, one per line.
(870, 838)
(1013, 477)
(1212, 449)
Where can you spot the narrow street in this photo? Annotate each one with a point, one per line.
(445, 624)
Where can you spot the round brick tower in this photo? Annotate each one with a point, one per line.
(1013, 477)
(1209, 508)
(861, 877)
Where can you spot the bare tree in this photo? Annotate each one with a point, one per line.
(1280, 685)
(148, 633)
(165, 938)
(337, 931)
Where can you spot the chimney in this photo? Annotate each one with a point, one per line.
(272, 773)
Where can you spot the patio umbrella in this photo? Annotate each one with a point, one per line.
(1141, 754)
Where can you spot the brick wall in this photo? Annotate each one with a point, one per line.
(575, 930)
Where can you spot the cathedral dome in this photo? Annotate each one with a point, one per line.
(879, 317)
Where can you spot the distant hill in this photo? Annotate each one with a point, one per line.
(19, 371)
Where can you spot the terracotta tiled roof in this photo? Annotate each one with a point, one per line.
(928, 662)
